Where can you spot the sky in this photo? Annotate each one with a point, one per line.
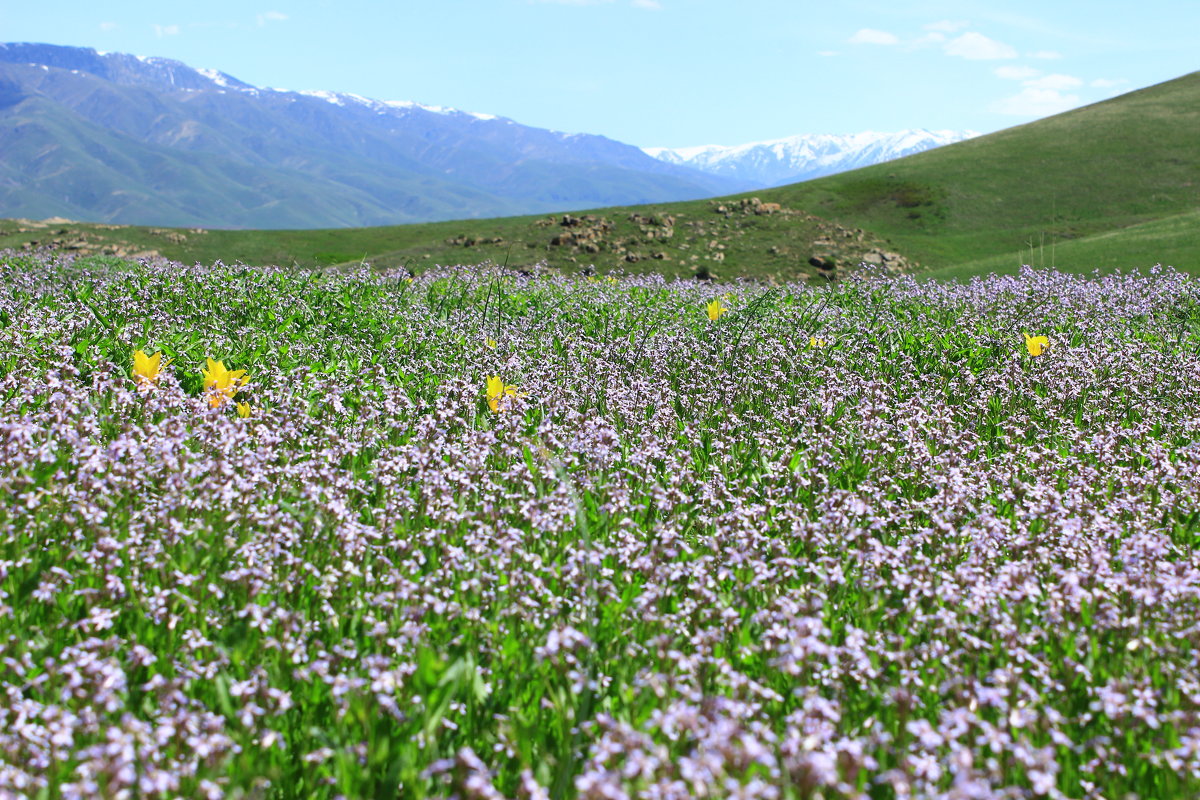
(665, 73)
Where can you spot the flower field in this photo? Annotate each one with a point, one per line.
(483, 534)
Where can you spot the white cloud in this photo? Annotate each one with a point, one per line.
(1045, 54)
(1108, 83)
(977, 47)
(1035, 102)
(1015, 73)
(946, 26)
(650, 5)
(1054, 81)
(166, 30)
(827, 53)
(270, 16)
(872, 36)
(108, 26)
(932, 37)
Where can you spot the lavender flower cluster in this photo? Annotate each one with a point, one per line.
(846, 542)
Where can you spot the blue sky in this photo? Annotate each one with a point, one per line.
(666, 72)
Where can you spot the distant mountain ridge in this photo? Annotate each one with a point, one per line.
(111, 137)
(799, 158)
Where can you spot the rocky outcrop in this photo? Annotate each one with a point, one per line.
(581, 231)
(748, 205)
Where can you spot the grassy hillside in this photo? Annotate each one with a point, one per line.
(1112, 185)
(1173, 240)
(1096, 179)
(722, 238)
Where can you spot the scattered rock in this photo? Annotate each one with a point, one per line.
(664, 221)
(581, 230)
(749, 205)
(170, 235)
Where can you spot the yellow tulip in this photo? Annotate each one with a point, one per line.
(146, 369)
(222, 384)
(243, 410)
(715, 309)
(1036, 345)
(497, 390)
(491, 343)
(815, 342)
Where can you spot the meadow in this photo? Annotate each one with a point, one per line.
(486, 533)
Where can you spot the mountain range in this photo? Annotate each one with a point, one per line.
(116, 138)
(799, 158)
(119, 138)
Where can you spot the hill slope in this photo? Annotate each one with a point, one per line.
(1114, 184)
(1096, 170)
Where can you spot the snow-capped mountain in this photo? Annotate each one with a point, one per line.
(111, 137)
(799, 158)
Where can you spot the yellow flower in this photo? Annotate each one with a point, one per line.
(490, 343)
(243, 410)
(146, 369)
(497, 391)
(1036, 345)
(715, 309)
(222, 384)
(815, 342)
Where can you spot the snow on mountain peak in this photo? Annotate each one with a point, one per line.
(348, 98)
(795, 158)
(220, 79)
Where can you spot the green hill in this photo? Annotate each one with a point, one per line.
(1115, 184)
(1100, 184)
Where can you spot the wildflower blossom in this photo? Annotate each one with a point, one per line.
(815, 342)
(222, 384)
(1036, 345)
(786, 592)
(497, 390)
(146, 369)
(715, 309)
(243, 410)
